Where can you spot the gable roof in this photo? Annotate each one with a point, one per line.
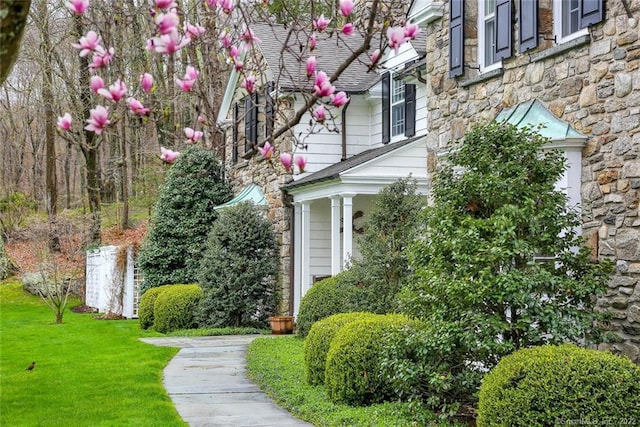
(281, 47)
(334, 171)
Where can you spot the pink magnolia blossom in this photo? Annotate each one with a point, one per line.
(101, 58)
(191, 73)
(189, 79)
(225, 39)
(311, 66)
(312, 41)
(193, 136)
(285, 160)
(77, 6)
(347, 29)
(319, 114)
(346, 6)
(202, 120)
(234, 52)
(249, 83)
(96, 83)
(322, 85)
(411, 31)
(64, 122)
(339, 99)
(249, 38)
(168, 43)
(146, 81)
(193, 31)
(238, 65)
(88, 43)
(99, 119)
(226, 5)
(396, 37)
(116, 91)
(165, 4)
(301, 162)
(167, 22)
(136, 107)
(168, 156)
(321, 23)
(375, 56)
(266, 151)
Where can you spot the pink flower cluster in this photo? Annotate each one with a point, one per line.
(287, 160)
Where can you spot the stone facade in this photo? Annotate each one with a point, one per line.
(592, 83)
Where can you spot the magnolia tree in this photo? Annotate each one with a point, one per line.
(377, 23)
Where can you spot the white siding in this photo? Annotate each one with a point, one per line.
(320, 244)
(401, 163)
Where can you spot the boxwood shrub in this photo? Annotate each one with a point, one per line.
(175, 308)
(145, 308)
(333, 295)
(352, 374)
(316, 345)
(551, 385)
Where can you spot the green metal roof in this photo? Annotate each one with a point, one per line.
(251, 193)
(534, 114)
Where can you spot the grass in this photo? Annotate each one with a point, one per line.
(277, 365)
(88, 372)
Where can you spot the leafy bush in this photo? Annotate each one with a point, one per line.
(354, 362)
(391, 225)
(174, 244)
(14, 208)
(175, 308)
(477, 276)
(317, 343)
(145, 307)
(238, 270)
(337, 294)
(564, 384)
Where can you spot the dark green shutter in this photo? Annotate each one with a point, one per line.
(386, 108)
(504, 24)
(234, 149)
(269, 110)
(409, 107)
(456, 38)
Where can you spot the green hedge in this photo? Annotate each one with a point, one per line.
(175, 308)
(337, 294)
(354, 360)
(316, 345)
(147, 302)
(557, 385)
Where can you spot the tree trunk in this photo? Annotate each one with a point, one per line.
(124, 176)
(13, 19)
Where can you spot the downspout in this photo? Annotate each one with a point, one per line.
(344, 130)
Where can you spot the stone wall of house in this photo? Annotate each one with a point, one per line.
(270, 177)
(594, 85)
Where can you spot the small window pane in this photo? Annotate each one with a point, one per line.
(489, 42)
(397, 119)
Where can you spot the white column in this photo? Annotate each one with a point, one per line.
(336, 261)
(306, 247)
(347, 227)
(297, 256)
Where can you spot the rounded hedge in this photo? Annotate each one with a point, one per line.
(565, 384)
(332, 295)
(145, 307)
(175, 308)
(352, 374)
(316, 345)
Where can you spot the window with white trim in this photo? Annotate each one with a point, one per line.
(566, 20)
(487, 35)
(397, 107)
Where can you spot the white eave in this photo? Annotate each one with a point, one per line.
(423, 12)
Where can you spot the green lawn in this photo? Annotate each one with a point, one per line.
(276, 364)
(88, 372)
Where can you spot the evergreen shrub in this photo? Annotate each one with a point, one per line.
(353, 367)
(337, 294)
(318, 341)
(145, 307)
(175, 308)
(560, 385)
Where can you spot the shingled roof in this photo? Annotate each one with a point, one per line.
(334, 171)
(282, 47)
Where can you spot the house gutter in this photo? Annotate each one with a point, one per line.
(344, 129)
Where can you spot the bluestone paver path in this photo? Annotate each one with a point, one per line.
(207, 383)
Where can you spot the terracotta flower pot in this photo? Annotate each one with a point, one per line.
(281, 325)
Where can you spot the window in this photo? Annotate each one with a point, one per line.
(397, 107)
(253, 121)
(487, 35)
(571, 18)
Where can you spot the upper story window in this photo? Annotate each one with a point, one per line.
(253, 121)
(397, 107)
(567, 20)
(487, 35)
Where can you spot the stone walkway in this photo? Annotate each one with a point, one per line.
(206, 381)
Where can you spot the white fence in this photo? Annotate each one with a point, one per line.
(112, 281)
